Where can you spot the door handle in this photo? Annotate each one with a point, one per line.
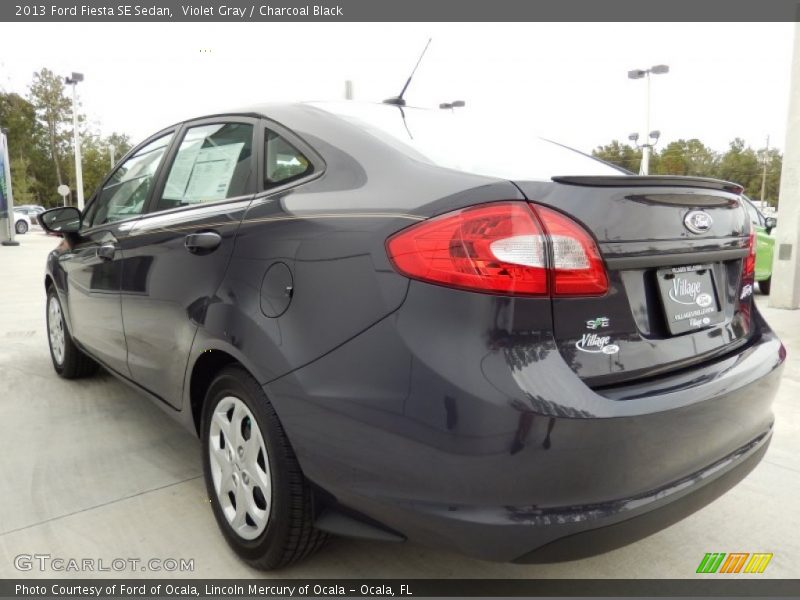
(202, 243)
(106, 251)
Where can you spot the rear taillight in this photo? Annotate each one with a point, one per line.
(749, 271)
(494, 248)
(578, 269)
(502, 247)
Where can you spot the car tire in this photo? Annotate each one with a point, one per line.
(21, 227)
(69, 361)
(261, 500)
(765, 285)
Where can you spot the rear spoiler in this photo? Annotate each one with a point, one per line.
(705, 183)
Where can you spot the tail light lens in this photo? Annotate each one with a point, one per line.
(493, 248)
(578, 269)
(749, 271)
(502, 247)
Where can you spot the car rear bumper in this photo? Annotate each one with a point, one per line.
(490, 446)
(652, 512)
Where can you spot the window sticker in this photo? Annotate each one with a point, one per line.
(202, 174)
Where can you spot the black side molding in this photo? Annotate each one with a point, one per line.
(705, 183)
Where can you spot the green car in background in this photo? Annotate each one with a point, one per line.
(765, 244)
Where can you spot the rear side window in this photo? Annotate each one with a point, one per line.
(456, 140)
(214, 162)
(284, 162)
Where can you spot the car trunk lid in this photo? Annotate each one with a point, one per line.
(674, 250)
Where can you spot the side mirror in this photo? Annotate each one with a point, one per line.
(770, 223)
(65, 219)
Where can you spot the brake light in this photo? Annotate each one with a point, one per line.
(578, 269)
(502, 247)
(494, 248)
(749, 270)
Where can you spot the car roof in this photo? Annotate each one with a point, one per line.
(288, 112)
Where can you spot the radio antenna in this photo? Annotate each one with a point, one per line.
(399, 100)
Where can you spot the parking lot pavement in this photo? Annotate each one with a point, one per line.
(89, 469)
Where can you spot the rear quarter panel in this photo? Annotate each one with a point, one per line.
(330, 233)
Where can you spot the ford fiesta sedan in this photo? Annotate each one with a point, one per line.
(396, 323)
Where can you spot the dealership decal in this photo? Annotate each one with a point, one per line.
(734, 562)
(693, 313)
(591, 342)
(695, 322)
(688, 292)
(747, 290)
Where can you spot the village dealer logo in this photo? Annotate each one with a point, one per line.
(596, 344)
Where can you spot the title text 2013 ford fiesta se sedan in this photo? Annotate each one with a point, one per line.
(396, 323)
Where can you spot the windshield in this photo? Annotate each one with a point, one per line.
(458, 140)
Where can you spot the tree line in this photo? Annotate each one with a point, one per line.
(40, 132)
(739, 163)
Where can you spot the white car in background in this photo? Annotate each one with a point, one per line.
(32, 210)
(22, 222)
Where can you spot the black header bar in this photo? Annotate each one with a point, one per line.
(399, 10)
(705, 586)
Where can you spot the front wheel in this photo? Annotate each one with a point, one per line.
(260, 498)
(765, 285)
(21, 227)
(68, 360)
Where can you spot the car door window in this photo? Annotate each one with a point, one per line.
(284, 162)
(124, 194)
(214, 162)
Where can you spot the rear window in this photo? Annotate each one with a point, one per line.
(458, 140)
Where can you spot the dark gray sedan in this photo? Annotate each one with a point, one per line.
(396, 323)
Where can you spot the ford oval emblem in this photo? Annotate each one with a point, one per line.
(697, 221)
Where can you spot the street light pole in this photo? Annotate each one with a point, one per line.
(764, 175)
(76, 138)
(644, 169)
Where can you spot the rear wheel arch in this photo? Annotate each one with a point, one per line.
(205, 369)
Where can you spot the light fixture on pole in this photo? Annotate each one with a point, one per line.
(74, 80)
(645, 74)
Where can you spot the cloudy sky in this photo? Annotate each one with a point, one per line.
(564, 81)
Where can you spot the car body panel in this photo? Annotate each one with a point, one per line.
(91, 293)
(647, 234)
(483, 428)
(163, 300)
